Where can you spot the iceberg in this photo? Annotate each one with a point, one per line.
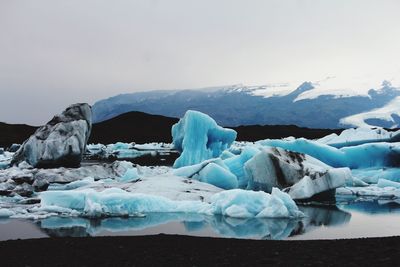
(240, 203)
(300, 175)
(387, 193)
(198, 137)
(361, 156)
(358, 136)
(372, 175)
(61, 142)
(117, 202)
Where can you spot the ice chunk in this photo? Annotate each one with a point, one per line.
(236, 164)
(5, 159)
(226, 154)
(117, 202)
(308, 187)
(212, 171)
(6, 213)
(361, 156)
(244, 204)
(372, 175)
(276, 167)
(198, 137)
(73, 185)
(131, 175)
(61, 142)
(390, 193)
(387, 183)
(357, 136)
(219, 176)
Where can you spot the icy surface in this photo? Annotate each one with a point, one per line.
(388, 193)
(302, 176)
(117, 202)
(387, 183)
(372, 175)
(5, 159)
(213, 171)
(199, 138)
(236, 164)
(355, 136)
(131, 175)
(361, 156)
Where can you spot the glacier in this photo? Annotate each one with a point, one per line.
(198, 137)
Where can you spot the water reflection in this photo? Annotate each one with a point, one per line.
(372, 206)
(196, 224)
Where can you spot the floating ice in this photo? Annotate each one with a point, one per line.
(199, 138)
(361, 156)
(117, 202)
(357, 136)
(61, 142)
(5, 213)
(372, 175)
(131, 175)
(244, 204)
(387, 183)
(302, 176)
(386, 193)
(219, 176)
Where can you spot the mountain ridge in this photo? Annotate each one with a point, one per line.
(245, 105)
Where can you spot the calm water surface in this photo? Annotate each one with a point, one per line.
(350, 220)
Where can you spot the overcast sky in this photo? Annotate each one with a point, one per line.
(54, 53)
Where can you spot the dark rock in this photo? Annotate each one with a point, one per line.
(40, 185)
(23, 178)
(29, 201)
(24, 190)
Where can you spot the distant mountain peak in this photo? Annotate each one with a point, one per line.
(320, 104)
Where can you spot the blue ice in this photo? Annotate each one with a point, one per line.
(213, 171)
(362, 156)
(198, 137)
(117, 202)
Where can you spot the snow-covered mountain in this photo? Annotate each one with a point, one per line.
(327, 103)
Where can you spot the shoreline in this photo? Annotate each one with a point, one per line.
(176, 250)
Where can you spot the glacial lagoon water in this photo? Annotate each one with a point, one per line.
(354, 219)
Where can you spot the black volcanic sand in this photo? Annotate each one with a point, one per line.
(173, 250)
